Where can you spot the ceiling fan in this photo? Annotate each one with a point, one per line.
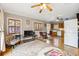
(43, 6)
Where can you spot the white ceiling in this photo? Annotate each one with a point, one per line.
(65, 10)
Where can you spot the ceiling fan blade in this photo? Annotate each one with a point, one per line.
(49, 7)
(36, 5)
(40, 10)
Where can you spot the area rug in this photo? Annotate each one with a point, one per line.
(28, 49)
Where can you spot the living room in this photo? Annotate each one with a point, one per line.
(31, 28)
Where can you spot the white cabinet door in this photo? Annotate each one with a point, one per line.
(71, 32)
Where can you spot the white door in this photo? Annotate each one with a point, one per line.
(71, 33)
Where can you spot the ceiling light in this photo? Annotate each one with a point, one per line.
(44, 5)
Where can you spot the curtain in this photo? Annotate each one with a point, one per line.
(2, 42)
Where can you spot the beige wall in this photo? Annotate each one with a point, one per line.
(24, 20)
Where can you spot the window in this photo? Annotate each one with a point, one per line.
(13, 26)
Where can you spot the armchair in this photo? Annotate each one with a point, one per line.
(11, 40)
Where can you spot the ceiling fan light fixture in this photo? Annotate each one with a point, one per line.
(43, 6)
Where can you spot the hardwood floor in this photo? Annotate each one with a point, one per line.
(8, 49)
(70, 51)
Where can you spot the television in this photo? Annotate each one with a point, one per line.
(28, 33)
